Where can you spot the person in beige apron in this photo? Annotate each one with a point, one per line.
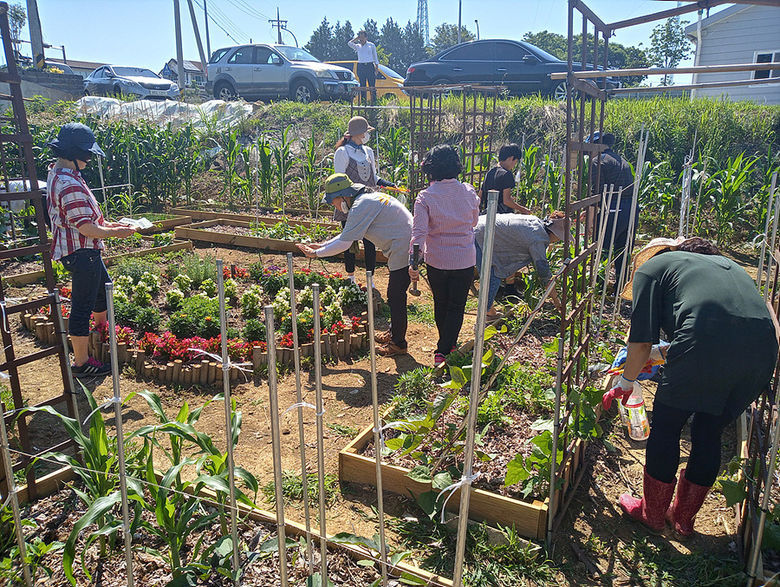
(356, 159)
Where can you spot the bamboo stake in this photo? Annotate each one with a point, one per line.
(606, 204)
(774, 202)
(281, 536)
(476, 376)
(299, 401)
(609, 259)
(378, 441)
(315, 287)
(120, 437)
(772, 242)
(64, 341)
(228, 421)
(11, 484)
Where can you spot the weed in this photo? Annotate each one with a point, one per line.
(343, 430)
(292, 487)
(421, 313)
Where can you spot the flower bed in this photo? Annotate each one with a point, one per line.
(167, 322)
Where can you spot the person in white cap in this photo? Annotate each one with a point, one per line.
(722, 355)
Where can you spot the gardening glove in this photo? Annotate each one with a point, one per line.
(623, 389)
(383, 183)
(658, 352)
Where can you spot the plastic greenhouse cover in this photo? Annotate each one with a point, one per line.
(212, 114)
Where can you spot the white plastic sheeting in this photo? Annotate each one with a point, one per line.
(212, 114)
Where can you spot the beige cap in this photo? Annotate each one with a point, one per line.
(650, 250)
(358, 126)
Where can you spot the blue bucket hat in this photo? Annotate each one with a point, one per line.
(74, 140)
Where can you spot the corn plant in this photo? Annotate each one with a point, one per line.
(283, 160)
(396, 154)
(265, 170)
(231, 150)
(312, 174)
(728, 198)
(529, 169)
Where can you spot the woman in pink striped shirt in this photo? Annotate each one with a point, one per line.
(445, 215)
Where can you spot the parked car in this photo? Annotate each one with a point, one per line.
(388, 82)
(275, 71)
(116, 80)
(521, 67)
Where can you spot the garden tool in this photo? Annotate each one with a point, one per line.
(415, 262)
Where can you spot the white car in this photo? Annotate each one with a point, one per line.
(275, 71)
(117, 80)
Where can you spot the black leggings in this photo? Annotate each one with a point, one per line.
(663, 446)
(370, 256)
(450, 289)
(396, 299)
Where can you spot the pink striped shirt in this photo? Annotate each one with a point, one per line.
(71, 204)
(445, 215)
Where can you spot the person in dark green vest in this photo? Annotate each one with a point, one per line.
(722, 354)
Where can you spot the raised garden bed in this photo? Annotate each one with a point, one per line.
(300, 217)
(163, 222)
(146, 303)
(28, 274)
(510, 438)
(241, 234)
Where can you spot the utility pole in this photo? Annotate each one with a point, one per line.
(197, 35)
(279, 24)
(460, 7)
(206, 18)
(476, 22)
(179, 52)
(36, 35)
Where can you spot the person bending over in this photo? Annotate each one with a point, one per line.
(722, 355)
(519, 240)
(384, 221)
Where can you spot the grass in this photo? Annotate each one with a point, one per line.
(421, 313)
(343, 430)
(292, 487)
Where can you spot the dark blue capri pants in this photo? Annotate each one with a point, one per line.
(88, 293)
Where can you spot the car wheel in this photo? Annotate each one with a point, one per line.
(303, 92)
(224, 91)
(559, 92)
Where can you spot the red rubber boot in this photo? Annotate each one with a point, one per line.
(687, 504)
(651, 508)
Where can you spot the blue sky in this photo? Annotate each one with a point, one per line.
(140, 32)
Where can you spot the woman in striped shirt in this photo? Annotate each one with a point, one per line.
(445, 215)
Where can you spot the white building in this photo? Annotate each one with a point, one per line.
(739, 34)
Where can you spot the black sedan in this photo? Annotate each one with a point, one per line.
(521, 67)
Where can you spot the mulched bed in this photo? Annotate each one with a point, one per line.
(56, 515)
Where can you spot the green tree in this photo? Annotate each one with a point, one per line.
(669, 45)
(414, 46)
(17, 17)
(341, 51)
(446, 36)
(372, 30)
(321, 42)
(391, 40)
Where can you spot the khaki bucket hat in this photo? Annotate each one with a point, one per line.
(358, 126)
(650, 250)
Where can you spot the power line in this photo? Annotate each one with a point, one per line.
(228, 22)
(214, 20)
(246, 8)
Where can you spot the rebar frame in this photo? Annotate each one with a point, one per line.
(426, 130)
(17, 163)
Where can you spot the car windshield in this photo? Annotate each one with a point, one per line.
(295, 54)
(134, 71)
(389, 72)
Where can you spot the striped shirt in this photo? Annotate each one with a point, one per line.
(445, 215)
(71, 205)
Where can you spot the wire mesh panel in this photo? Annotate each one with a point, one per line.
(430, 124)
(572, 417)
(19, 187)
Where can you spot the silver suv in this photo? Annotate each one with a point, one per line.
(271, 71)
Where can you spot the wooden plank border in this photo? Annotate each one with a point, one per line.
(33, 276)
(234, 216)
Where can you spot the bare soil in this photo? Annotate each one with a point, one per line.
(595, 544)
